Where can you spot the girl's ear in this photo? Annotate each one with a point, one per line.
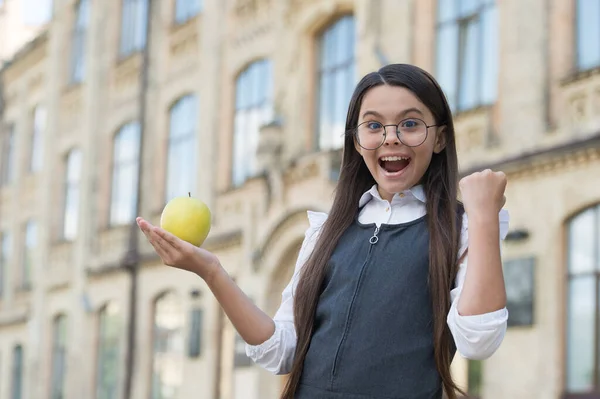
(440, 140)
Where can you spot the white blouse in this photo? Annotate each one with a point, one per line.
(476, 336)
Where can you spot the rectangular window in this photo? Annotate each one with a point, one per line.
(59, 358)
(182, 150)
(134, 20)
(337, 76)
(587, 34)
(72, 193)
(17, 373)
(30, 243)
(78, 38)
(7, 162)
(125, 174)
(467, 52)
(108, 352)
(253, 109)
(5, 256)
(37, 134)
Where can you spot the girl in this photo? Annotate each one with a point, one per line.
(381, 297)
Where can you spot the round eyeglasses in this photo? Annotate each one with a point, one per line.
(411, 132)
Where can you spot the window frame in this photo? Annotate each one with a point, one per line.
(177, 137)
(109, 312)
(251, 102)
(17, 374)
(178, 305)
(28, 257)
(595, 275)
(39, 118)
(461, 20)
(79, 31)
(74, 185)
(118, 166)
(8, 151)
(59, 351)
(576, 28)
(131, 26)
(348, 65)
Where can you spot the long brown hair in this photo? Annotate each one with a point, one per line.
(443, 212)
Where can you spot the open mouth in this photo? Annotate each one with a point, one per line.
(394, 164)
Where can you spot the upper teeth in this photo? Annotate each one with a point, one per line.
(395, 159)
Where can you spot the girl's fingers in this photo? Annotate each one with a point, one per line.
(164, 246)
(169, 238)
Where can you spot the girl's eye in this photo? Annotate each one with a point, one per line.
(411, 123)
(374, 125)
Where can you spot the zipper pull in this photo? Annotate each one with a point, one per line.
(373, 240)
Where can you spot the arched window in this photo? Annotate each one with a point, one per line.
(110, 329)
(126, 162)
(337, 77)
(583, 299)
(167, 367)
(181, 163)
(253, 108)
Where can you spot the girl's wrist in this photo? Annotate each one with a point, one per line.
(482, 216)
(212, 273)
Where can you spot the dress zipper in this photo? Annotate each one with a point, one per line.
(373, 240)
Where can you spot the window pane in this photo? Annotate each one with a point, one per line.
(39, 127)
(78, 41)
(5, 255)
(588, 32)
(582, 241)
(125, 174)
(71, 209)
(28, 256)
(254, 109)
(7, 161)
(141, 17)
(17, 373)
(59, 357)
(108, 352)
(336, 75)
(469, 44)
(489, 55)
(447, 61)
(581, 333)
(182, 162)
(168, 348)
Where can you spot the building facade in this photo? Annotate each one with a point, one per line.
(242, 104)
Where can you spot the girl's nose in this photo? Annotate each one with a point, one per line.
(391, 138)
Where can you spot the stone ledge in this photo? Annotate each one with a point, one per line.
(546, 159)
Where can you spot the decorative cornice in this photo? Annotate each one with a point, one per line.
(547, 160)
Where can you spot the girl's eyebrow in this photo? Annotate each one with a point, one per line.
(399, 115)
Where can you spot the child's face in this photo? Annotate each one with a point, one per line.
(390, 105)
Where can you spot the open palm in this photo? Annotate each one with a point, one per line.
(178, 253)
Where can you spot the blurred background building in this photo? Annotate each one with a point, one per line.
(116, 106)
